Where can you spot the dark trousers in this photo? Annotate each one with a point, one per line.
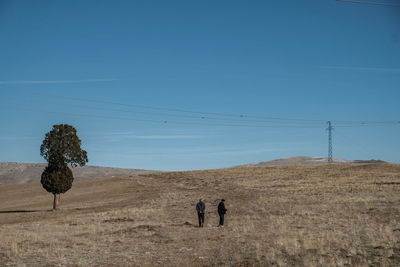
(221, 218)
(201, 218)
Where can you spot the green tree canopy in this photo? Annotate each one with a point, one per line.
(57, 179)
(61, 146)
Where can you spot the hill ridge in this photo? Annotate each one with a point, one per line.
(301, 160)
(18, 172)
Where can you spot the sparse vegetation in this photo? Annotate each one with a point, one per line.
(311, 215)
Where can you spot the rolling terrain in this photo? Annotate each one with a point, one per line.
(301, 160)
(299, 215)
(16, 173)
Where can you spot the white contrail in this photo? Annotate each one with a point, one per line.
(17, 138)
(369, 3)
(56, 81)
(368, 69)
(133, 136)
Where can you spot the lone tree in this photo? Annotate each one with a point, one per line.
(61, 146)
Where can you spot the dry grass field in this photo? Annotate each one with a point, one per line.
(303, 215)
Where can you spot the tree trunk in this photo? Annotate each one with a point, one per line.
(55, 202)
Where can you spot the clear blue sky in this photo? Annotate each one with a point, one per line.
(315, 60)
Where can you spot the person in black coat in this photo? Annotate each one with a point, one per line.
(201, 208)
(221, 212)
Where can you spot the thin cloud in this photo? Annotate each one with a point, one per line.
(363, 69)
(203, 150)
(162, 136)
(247, 151)
(56, 81)
(17, 138)
(123, 136)
(369, 3)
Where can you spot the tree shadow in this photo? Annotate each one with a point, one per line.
(184, 224)
(17, 211)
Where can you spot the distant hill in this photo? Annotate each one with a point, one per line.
(16, 173)
(301, 160)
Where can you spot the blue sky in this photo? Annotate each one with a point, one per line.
(91, 63)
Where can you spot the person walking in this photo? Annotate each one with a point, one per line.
(201, 207)
(221, 212)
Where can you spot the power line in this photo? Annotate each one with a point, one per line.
(156, 121)
(162, 108)
(294, 123)
(153, 113)
(231, 117)
(291, 125)
(171, 122)
(367, 125)
(363, 123)
(290, 121)
(369, 3)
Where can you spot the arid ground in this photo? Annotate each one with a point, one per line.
(302, 215)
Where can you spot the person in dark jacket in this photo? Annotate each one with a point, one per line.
(221, 212)
(201, 208)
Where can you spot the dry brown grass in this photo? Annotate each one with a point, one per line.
(322, 215)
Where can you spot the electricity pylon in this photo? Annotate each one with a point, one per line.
(330, 128)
